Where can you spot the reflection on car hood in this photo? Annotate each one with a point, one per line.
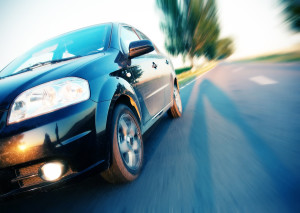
(12, 86)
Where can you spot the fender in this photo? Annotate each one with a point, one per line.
(111, 91)
(115, 87)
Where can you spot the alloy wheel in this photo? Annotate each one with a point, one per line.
(129, 142)
(177, 99)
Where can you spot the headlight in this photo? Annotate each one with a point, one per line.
(48, 97)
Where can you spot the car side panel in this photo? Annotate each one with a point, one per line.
(149, 85)
(166, 78)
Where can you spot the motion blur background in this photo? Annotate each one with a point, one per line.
(255, 27)
(236, 147)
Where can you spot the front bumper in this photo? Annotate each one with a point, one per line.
(68, 135)
(15, 189)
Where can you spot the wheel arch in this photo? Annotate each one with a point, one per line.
(128, 101)
(176, 82)
(113, 92)
(117, 90)
(124, 93)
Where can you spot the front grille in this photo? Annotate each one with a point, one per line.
(28, 176)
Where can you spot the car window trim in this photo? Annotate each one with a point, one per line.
(110, 36)
(156, 49)
(120, 35)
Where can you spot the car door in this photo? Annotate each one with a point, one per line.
(147, 83)
(164, 68)
(168, 78)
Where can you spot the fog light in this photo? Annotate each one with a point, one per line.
(52, 171)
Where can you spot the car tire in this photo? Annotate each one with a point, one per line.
(127, 147)
(176, 109)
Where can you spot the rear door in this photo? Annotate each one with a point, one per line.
(148, 83)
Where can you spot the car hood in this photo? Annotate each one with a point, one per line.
(12, 86)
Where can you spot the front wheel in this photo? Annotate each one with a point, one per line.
(176, 109)
(127, 147)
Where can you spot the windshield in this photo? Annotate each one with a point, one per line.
(68, 46)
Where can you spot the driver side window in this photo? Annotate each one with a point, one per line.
(127, 36)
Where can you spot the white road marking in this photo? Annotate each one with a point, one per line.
(262, 80)
(200, 76)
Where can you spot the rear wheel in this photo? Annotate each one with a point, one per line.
(176, 110)
(127, 147)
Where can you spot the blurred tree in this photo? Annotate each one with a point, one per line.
(191, 27)
(292, 11)
(188, 25)
(224, 48)
(210, 51)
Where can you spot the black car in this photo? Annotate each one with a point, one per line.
(82, 101)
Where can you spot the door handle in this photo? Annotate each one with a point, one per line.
(154, 65)
(126, 73)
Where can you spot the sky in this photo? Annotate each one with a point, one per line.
(256, 26)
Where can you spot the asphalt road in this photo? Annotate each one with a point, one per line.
(236, 149)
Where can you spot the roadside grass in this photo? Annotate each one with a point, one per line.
(182, 70)
(188, 75)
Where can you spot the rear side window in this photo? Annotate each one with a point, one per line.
(127, 36)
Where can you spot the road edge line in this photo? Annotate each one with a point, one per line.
(198, 77)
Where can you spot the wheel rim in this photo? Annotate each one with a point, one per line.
(129, 142)
(177, 99)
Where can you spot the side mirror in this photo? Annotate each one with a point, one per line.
(137, 48)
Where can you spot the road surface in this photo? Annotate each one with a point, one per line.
(236, 149)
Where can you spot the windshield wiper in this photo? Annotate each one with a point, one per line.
(64, 59)
(40, 64)
(94, 52)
